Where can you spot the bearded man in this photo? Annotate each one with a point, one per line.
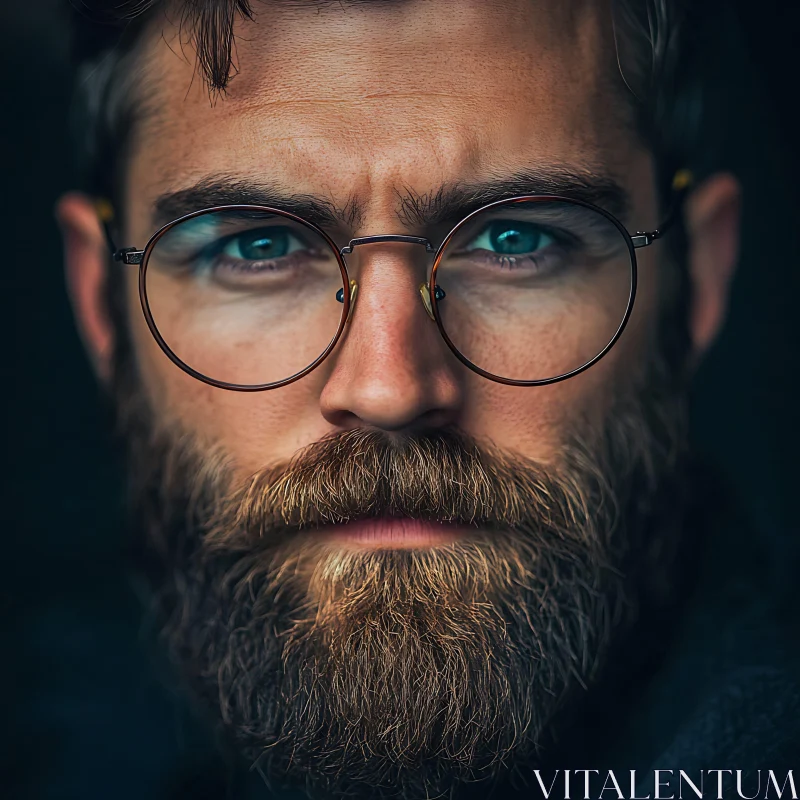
(398, 303)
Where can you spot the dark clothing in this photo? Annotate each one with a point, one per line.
(722, 689)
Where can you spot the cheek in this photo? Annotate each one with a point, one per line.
(535, 422)
(640, 333)
(256, 429)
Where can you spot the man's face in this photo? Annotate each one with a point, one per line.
(361, 107)
(394, 572)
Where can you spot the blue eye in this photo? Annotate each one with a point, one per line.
(265, 244)
(511, 238)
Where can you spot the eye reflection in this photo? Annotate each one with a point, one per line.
(510, 238)
(262, 244)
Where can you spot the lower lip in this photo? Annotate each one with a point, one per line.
(392, 533)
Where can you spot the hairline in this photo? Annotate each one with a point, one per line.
(117, 85)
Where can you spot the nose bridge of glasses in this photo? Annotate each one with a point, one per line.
(388, 237)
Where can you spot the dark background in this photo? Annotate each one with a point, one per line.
(85, 714)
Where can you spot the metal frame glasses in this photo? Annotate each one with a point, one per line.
(431, 293)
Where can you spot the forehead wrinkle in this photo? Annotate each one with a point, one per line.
(254, 86)
(253, 94)
(291, 33)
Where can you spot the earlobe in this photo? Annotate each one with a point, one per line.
(86, 258)
(712, 218)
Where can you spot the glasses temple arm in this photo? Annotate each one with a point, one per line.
(681, 184)
(105, 213)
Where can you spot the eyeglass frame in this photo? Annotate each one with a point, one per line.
(430, 293)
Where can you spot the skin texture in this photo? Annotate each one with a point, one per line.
(355, 104)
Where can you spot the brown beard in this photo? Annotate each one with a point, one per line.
(403, 672)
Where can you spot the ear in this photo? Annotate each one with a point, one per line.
(712, 220)
(86, 256)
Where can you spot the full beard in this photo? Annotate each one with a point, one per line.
(403, 672)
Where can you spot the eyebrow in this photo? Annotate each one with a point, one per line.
(446, 205)
(450, 204)
(223, 191)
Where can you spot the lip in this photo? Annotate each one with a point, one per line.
(393, 533)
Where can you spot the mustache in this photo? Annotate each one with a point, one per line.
(466, 650)
(442, 476)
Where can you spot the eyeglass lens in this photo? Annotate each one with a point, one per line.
(244, 297)
(532, 290)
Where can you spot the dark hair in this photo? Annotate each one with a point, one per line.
(655, 53)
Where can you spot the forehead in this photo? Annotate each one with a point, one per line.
(355, 99)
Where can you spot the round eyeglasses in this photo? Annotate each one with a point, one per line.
(525, 291)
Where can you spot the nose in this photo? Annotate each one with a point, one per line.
(391, 370)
